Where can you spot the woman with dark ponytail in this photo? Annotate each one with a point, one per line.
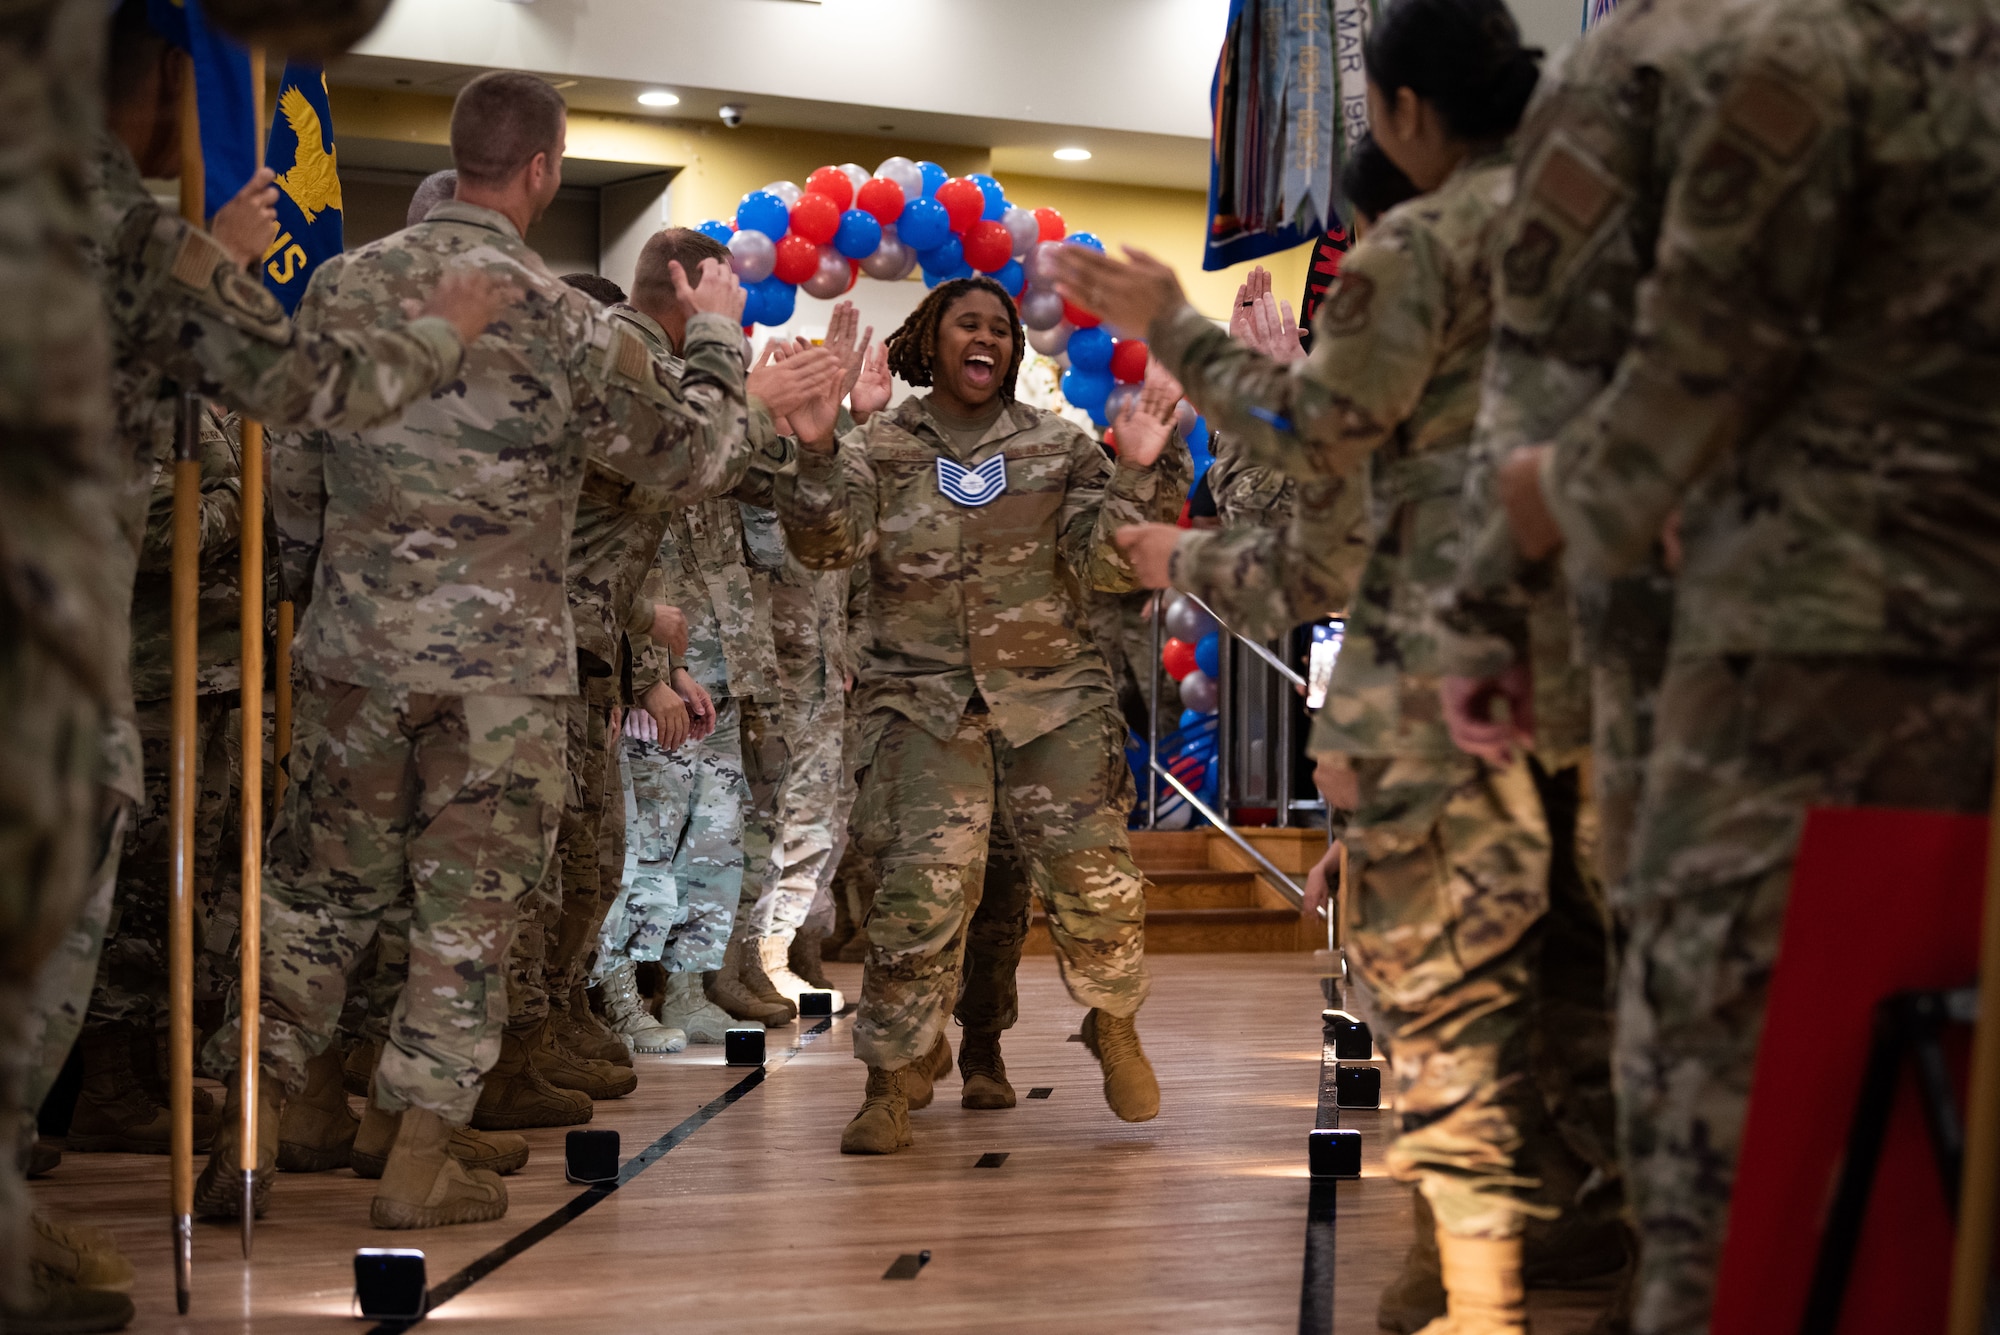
(1449, 856)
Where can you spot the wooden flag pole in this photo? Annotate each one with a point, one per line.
(1979, 1183)
(180, 892)
(251, 709)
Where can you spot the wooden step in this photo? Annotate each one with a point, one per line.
(1166, 850)
(1200, 888)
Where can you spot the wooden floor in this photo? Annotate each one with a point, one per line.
(1192, 1222)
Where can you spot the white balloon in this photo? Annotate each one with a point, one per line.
(1021, 225)
(831, 280)
(904, 173)
(889, 258)
(1041, 263)
(788, 191)
(1184, 415)
(1051, 342)
(753, 255)
(1041, 309)
(1199, 692)
(855, 173)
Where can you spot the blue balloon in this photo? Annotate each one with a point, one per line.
(947, 257)
(1088, 239)
(859, 235)
(1194, 719)
(1012, 277)
(934, 176)
(922, 224)
(1198, 438)
(774, 299)
(717, 231)
(996, 198)
(1208, 653)
(762, 211)
(1090, 350)
(1099, 418)
(1087, 389)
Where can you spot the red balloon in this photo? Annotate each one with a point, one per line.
(883, 198)
(963, 201)
(798, 258)
(1128, 361)
(853, 275)
(1111, 439)
(816, 218)
(1079, 317)
(988, 246)
(1051, 224)
(1177, 657)
(833, 183)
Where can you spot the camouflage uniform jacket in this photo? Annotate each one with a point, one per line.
(1265, 580)
(809, 626)
(1813, 376)
(1393, 381)
(436, 546)
(1596, 151)
(978, 598)
(1247, 496)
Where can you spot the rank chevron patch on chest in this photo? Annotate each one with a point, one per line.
(972, 486)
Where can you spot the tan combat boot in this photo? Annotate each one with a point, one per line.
(1483, 1290)
(883, 1124)
(1129, 1084)
(317, 1131)
(83, 1254)
(358, 1070)
(120, 1107)
(499, 1152)
(985, 1074)
(1415, 1297)
(565, 1070)
(424, 1186)
(774, 955)
(55, 1305)
(729, 988)
(629, 1017)
(583, 1031)
(516, 1096)
(920, 1077)
(218, 1192)
(807, 963)
(688, 1010)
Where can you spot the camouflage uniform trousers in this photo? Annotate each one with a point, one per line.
(686, 844)
(808, 809)
(1745, 744)
(924, 815)
(51, 825)
(767, 765)
(1480, 938)
(989, 998)
(455, 798)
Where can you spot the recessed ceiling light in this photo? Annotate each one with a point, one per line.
(1072, 155)
(659, 98)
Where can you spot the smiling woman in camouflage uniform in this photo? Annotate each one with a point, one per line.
(980, 695)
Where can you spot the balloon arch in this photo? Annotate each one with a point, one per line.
(845, 222)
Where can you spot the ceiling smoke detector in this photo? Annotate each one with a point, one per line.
(731, 113)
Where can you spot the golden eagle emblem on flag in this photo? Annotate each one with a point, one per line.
(313, 183)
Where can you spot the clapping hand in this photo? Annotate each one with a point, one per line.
(1148, 421)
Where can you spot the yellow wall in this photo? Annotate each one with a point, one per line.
(719, 165)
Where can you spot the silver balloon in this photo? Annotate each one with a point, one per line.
(887, 261)
(1041, 263)
(1041, 309)
(788, 191)
(1188, 620)
(1021, 225)
(1116, 402)
(904, 173)
(1184, 418)
(753, 255)
(909, 263)
(1051, 342)
(856, 174)
(831, 280)
(1199, 693)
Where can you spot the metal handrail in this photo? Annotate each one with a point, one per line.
(1286, 885)
(1283, 668)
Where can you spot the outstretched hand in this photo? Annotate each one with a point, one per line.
(1150, 549)
(1147, 423)
(1127, 294)
(872, 392)
(718, 292)
(841, 342)
(792, 378)
(246, 225)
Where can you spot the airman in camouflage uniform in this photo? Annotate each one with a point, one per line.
(982, 698)
(437, 638)
(1788, 389)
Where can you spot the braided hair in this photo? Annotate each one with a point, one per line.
(913, 347)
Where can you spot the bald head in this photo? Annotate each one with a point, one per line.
(434, 190)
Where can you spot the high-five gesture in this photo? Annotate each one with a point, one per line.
(787, 379)
(718, 293)
(872, 391)
(842, 343)
(1126, 294)
(1147, 422)
(815, 421)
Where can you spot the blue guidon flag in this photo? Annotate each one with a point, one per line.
(972, 486)
(309, 207)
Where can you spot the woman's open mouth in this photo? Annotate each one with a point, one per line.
(981, 369)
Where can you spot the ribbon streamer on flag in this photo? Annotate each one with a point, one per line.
(225, 99)
(309, 208)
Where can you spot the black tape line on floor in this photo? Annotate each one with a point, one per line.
(574, 1208)
(1074, 1038)
(907, 1265)
(992, 1159)
(1323, 1199)
(1041, 1091)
